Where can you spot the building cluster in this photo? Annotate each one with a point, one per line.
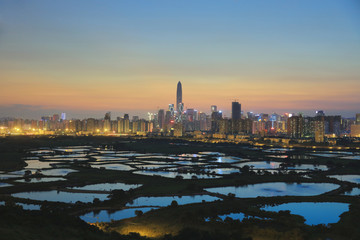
(190, 122)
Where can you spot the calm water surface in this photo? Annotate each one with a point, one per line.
(108, 187)
(26, 206)
(353, 192)
(114, 166)
(59, 196)
(36, 164)
(314, 213)
(174, 174)
(5, 184)
(58, 171)
(44, 179)
(349, 178)
(276, 189)
(227, 159)
(106, 216)
(166, 201)
(261, 164)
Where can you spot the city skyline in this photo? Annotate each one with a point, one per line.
(125, 57)
(235, 109)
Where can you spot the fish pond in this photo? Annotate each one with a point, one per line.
(273, 189)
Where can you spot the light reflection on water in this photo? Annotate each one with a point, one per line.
(106, 216)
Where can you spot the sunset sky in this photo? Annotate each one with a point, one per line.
(88, 57)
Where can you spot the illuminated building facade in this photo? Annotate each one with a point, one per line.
(295, 127)
(178, 96)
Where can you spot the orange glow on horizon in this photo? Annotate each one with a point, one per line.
(96, 93)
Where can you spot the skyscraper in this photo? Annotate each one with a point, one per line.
(107, 116)
(107, 122)
(213, 108)
(63, 116)
(161, 118)
(178, 96)
(171, 109)
(236, 110)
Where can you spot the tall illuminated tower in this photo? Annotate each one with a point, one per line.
(178, 96)
(179, 103)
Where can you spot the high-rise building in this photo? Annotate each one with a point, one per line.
(320, 113)
(135, 127)
(161, 118)
(107, 122)
(215, 118)
(63, 116)
(120, 123)
(213, 108)
(203, 124)
(167, 119)
(319, 130)
(126, 125)
(107, 116)
(135, 118)
(171, 109)
(295, 126)
(56, 117)
(358, 119)
(90, 125)
(236, 110)
(142, 125)
(178, 130)
(178, 96)
(355, 131)
(333, 125)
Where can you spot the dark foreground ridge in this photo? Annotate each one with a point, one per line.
(60, 220)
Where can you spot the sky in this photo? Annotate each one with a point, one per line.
(88, 57)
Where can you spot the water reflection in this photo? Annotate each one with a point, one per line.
(353, 192)
(5, 184)
(349, 178)
(108, 187)
(223, 171)
(58, 171)
(261, 164)
(314, 213)
(37, 180)
(276, 189)
(166, 201)
(36, 164)
(60, 196)
(114, 166)
(175, 174)
(26, 206)
(108, 216)
(228, 159)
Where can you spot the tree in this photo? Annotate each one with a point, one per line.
(138, 213)
(174, 203)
